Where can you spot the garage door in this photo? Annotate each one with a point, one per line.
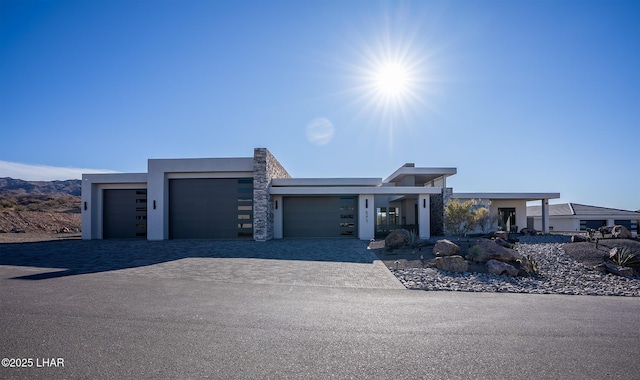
(124, 213)
(320, 216)
(631, 225)
(203, 208)
(593, 224)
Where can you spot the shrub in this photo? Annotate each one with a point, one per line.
(459, 218)
(484, 220)
(473, 253)
(625, 257)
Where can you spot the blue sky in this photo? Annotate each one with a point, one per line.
(518, 95)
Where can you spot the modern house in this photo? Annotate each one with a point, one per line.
(571, 217)
(255, 197)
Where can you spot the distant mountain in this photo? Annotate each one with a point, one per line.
(17, 187)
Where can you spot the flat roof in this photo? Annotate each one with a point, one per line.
(422, 175)
(350, 190)
(521, 196)
(311, 182)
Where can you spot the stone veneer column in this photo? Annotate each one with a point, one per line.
(436, 208)
(447, 193)
(265, 168)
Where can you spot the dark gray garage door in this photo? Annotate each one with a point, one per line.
(320, 216)
(594, 224)
(206, 208)
(631, 225)
(124, 213)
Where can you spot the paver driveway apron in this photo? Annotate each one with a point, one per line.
(294, 262)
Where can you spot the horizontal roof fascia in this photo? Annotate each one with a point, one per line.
(115, 178)
(313, 182)
(427, 172)
(178, 165)
(519, 196)
(343, 190)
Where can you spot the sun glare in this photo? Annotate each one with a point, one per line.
(391, 79)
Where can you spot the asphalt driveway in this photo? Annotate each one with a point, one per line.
(159, 318)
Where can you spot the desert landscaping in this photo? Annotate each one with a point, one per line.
(549, 264)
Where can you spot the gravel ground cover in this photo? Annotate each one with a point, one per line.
(559, 274)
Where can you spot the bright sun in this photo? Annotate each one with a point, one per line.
(391, 79)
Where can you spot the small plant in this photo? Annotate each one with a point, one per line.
(413, 240)
(625, 257)
(473, 253)
(591, 232)
(528, 264)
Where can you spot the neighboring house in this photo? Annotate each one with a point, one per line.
(571, 217)
(255, 197)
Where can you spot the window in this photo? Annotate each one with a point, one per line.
(507, 219)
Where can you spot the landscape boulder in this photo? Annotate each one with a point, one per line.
(620, 232)
(579, 238)
(453, 263)
(529, 231)
(396, 239)
(490, 250)
(502, 242)
(445, 247)
(504, 235)
(620, 271)
(605, 230)
(498, 267)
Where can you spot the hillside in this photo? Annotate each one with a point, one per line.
(39, 206)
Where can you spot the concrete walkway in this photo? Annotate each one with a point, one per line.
(295, 262)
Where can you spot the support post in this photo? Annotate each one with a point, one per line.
(424, 216)
(545, 216)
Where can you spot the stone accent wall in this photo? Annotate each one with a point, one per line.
(437, 214)
(447, 193)
(265, 168)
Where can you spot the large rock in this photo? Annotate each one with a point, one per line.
(529, 231)
(579, 238)
(620, 232)
(396, 239)
(502, 242)
(620, 271)
(452, 263)
(490, 250)
(504, 235)
(445, 247)
(498, 267)
(605, 230)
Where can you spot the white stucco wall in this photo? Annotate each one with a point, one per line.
(424, 216)
(494, 204)
(93, 186)
(558, 224)
(278, 227)
(366, 216)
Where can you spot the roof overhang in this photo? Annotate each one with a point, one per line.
(115, 178)
(422, 175)
(513, 196)
(344, 190)
(325, 182)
